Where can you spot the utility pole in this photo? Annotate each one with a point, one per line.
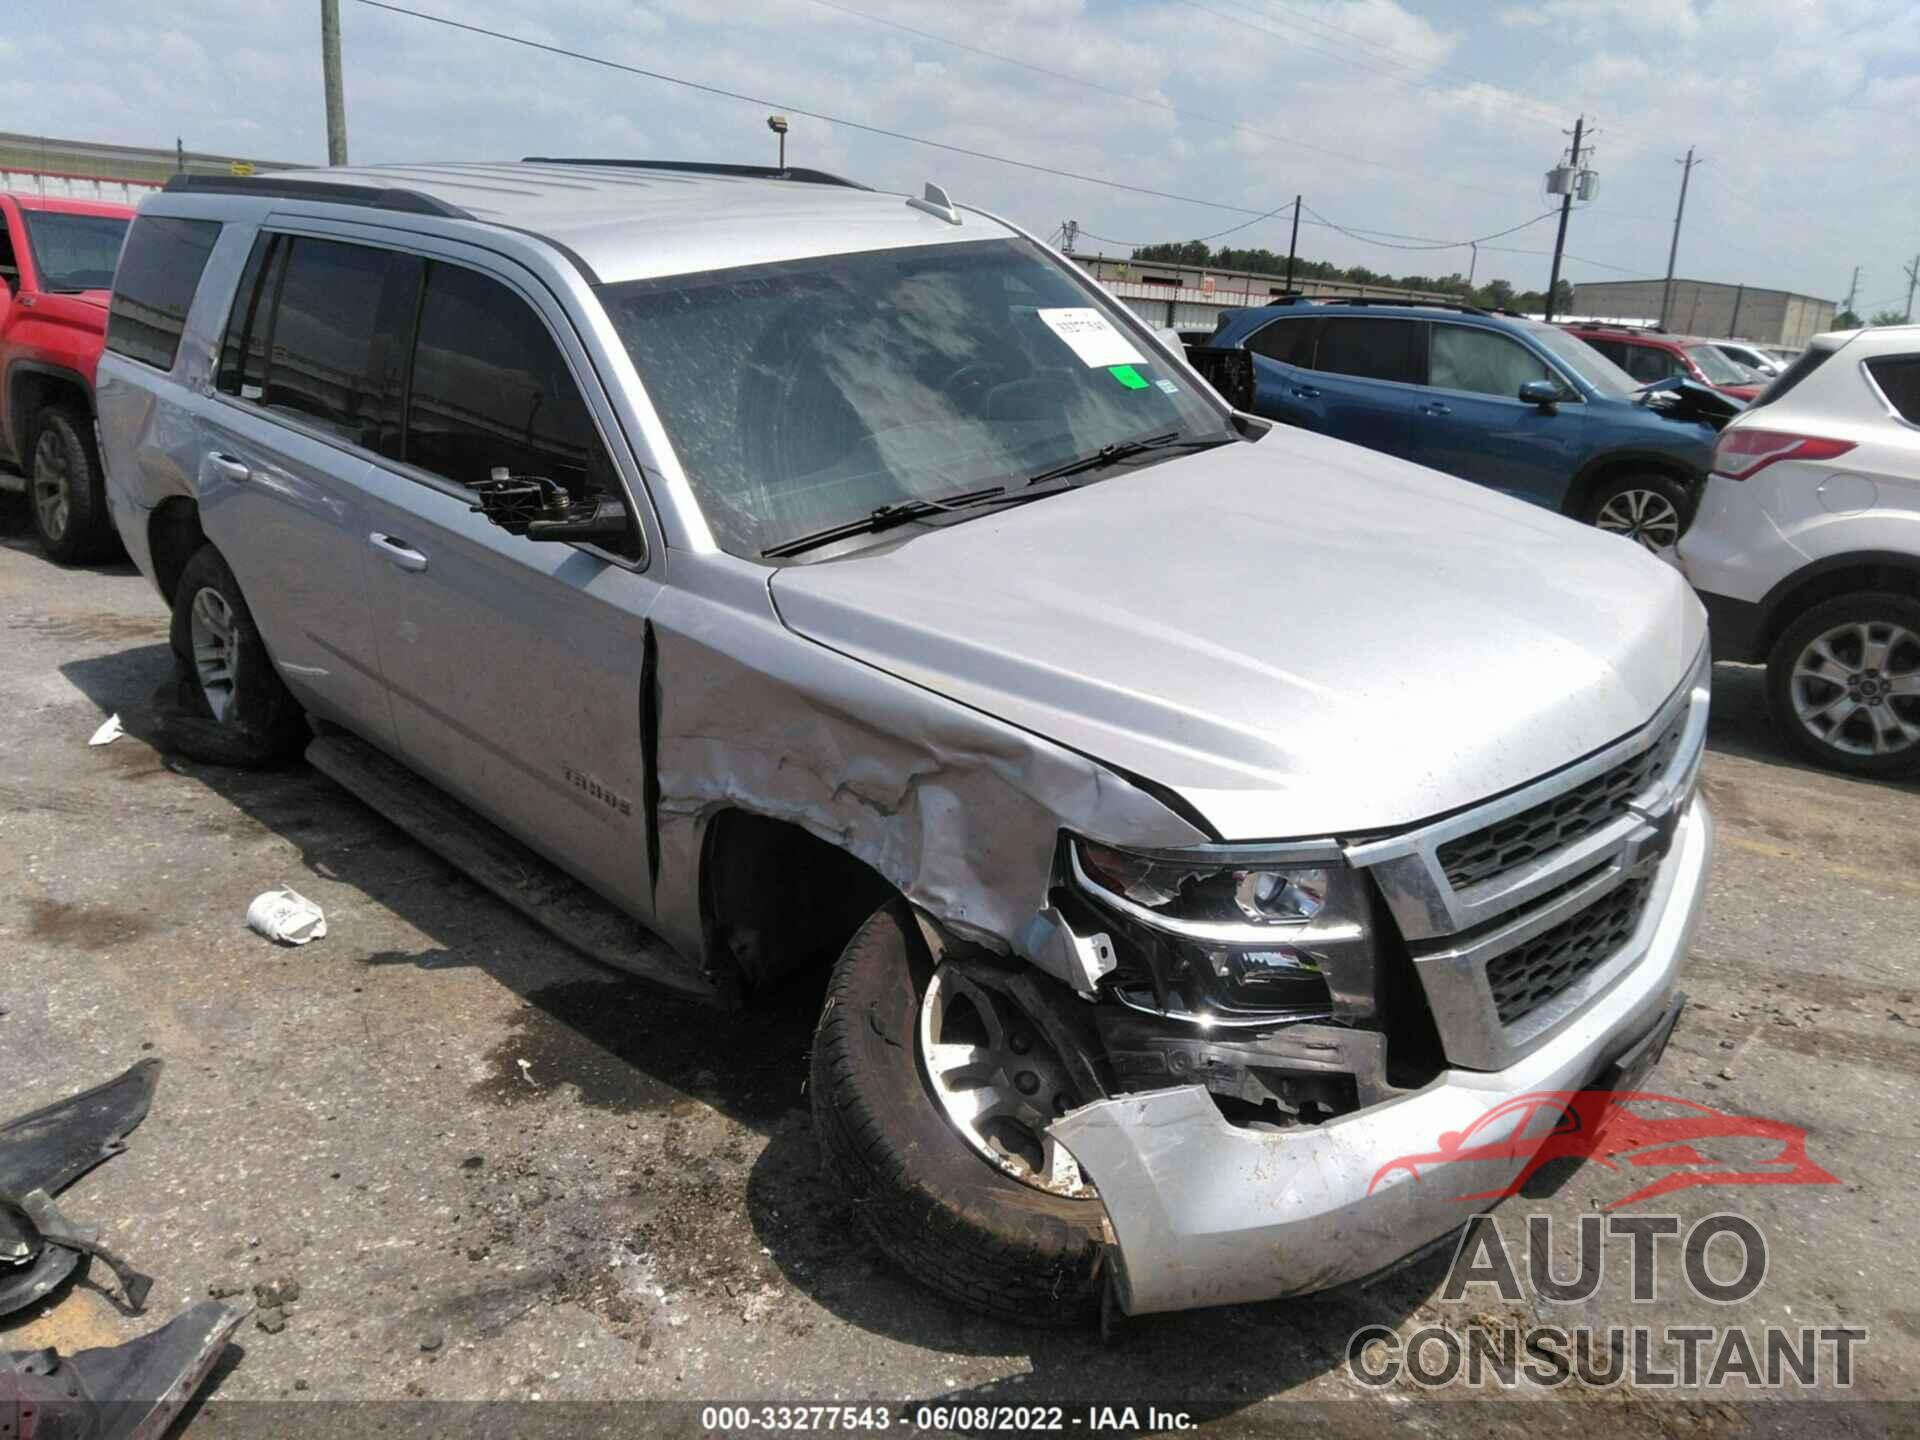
(1294, 243)
(1673, 250)
(1913, 271)
(330, 71)
(1852, 290)
(1566, 209)
(179, 156)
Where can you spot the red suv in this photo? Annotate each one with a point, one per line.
(56, 261)
(1650, 355)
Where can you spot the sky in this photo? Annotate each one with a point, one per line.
(1430, 120)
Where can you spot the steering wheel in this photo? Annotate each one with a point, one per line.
(969, 384)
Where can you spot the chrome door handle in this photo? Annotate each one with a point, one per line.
(1436, 409)
(1306, 392)
(398, 551)
(228, 468)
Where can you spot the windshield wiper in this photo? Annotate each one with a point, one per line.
(1123, 450)
(883, 518)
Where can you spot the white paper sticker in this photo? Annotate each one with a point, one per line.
(1168, 386)
(1091, 336)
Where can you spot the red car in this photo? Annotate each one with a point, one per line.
(57, 259)
(1622, 1128)
(1650, 355)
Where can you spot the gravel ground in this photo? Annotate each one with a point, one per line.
(497, 1172)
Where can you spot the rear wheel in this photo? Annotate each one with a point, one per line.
(1843, 682)
(931, 1096)
(1649, 509)
(66, 498)
(234, 709)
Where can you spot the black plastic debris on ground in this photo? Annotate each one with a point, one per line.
(40, 1155)
(126, 1392)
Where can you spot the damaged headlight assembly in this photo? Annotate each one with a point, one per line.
(1231, 935)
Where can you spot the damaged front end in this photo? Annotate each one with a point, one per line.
(1281, 1027)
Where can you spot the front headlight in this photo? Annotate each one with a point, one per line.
(1233, 934)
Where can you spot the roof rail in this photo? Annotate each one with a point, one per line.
(1459, 305)
(273, 187)
(702, 167)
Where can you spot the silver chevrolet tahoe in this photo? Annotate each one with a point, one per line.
(1194, 821)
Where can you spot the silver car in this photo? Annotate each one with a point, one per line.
(1193, 819)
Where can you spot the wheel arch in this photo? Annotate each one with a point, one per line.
(1828, 579)
(33, 387)
(1596, 472)
(173, 535)
(776, 899)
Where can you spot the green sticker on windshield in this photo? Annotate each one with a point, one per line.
(1128, 376)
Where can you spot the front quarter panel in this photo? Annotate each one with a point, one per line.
(959, 811)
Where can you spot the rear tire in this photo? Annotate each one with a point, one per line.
(933, 1204)
(1844, 680)
(234, 708)
(1649, 508)
(66, 495)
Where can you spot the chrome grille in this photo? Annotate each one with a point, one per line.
(1498, 848)
(1528, 976)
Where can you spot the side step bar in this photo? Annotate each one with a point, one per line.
(532, 884)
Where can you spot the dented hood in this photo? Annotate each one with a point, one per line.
(1300, 636)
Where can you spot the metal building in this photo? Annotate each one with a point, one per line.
(1191, 297)
(1706, 307)
(87, 170)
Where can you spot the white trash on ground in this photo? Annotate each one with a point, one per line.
(107, 733)
(286, 916)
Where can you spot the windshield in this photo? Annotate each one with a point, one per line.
(1600, 373)
(75, 252)
(810, 393)
(1718, 369)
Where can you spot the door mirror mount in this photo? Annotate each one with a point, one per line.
(1543, 393)
(541, 509)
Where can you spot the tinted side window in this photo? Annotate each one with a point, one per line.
(1480, 361)
(1898, 377)
(321, 363)
(159, 271)
(490, 388)
(1647, 364)
(1289, 341)
(1804, 364)
(1370, 349)
(243, 351)
(1612, 349)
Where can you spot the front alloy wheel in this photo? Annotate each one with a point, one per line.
(1844, 681)
(1646, 516)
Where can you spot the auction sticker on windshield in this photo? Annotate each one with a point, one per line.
(1091, 336)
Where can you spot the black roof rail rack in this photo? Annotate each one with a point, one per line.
(702, 167)
(1459, 305)
(273, 187)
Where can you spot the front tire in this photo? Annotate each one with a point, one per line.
(66, 494)
(235, 708)
(1650, 509)
(1843, 683)
(934, 1204)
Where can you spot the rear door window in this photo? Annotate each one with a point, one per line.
(1648, 363)
(490, 390)
(1898, 377)
(1463, 357)
(159, 271)
(1368, 348)
(1289, 341)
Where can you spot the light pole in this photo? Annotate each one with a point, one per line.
(330, 75)
(778, 125)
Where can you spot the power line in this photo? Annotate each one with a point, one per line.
(762, 101)
(822, 116)
(1427, 242)
(1137, 99)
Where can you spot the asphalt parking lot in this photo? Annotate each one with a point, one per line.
(498, 1172)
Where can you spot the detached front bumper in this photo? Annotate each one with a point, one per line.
(1207, 1213)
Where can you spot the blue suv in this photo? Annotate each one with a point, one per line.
(1506, 402)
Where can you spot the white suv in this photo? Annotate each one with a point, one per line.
(1806, 549)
